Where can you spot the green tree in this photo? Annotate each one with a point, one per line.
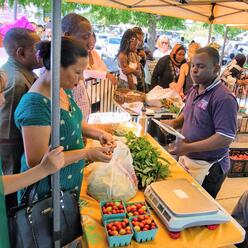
(220, 29)
(110, 16)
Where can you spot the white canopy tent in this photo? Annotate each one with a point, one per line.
(215, 12)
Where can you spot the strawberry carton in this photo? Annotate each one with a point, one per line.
(239, 163)
(112, 209)
(119, 232)
(144, 228)
(136, 209)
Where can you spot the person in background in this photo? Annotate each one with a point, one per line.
(241, 50)
(185, 81)
(233, 75)
(142, 57)
(96, 69)
(33, 118)
(163, 47)
(19, 44)
(80, 28)
(182, 40)
(168, 67)
(128, 61)
(208, 122)
(234, 51)
(48, 32)
(148, 69)
(40, 31)
(214, 44)
(240, 214)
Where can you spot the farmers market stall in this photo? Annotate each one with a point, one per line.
(159, 103)
(198, 237)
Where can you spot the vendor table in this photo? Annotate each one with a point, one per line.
(197, 237)
(157, 113)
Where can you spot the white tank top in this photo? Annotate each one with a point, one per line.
(124, 77)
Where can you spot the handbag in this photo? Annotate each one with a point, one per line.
(31, 223)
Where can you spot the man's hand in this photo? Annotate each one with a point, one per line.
(181, 148)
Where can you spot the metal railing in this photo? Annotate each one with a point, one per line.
(101, 92)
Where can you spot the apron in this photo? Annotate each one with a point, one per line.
(198, 169)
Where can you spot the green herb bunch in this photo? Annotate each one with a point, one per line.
(148, 165)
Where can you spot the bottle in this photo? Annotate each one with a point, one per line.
(142, 121)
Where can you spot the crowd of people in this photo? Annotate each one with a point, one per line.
(208, 121)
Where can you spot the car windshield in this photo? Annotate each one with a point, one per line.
(116, 41)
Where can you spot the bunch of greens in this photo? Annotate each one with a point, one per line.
(148, 165)
(174, 109)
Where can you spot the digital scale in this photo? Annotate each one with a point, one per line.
(180, 204)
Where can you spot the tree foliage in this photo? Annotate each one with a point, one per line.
(220, 29)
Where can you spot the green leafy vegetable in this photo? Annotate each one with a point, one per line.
(148, 165)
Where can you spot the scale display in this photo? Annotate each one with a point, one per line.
(180, 205)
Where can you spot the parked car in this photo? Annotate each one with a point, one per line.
(112, 47)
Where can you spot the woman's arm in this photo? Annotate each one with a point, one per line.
(182, 76)
(126, 69)
(51, 162)
(92, 132)
(36, 143)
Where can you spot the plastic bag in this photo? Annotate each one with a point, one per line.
(115, 180)
(157, 94)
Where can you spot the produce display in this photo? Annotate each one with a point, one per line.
(147, 163)
(143, 223)
(239, 163)
(120, 230)
(239, 156)
(113, 208)
(136, 208)
(127, 95)
(144, 228)
(116, 228)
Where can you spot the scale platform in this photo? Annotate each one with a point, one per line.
(180, 205)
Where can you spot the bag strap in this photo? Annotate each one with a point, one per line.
(30, 192)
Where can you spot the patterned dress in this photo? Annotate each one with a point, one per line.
(34, 110)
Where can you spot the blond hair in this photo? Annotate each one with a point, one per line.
(161, 39)
(192, 49)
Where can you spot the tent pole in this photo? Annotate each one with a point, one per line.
(224, 44)
(55, 112)
(15, 9)
(210, 32)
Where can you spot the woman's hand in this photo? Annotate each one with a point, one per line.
(53, 160)
(173, 86)
(112, 78)
(106, 139)
(101, 154)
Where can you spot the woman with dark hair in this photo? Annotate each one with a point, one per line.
(234, 72)
(167, 69)
(128, 61)
(33, 118)
(185, 82)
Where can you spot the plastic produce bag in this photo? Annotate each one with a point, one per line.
(115, 180)
(157, 94)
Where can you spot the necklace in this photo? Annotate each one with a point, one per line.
(65, 99)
